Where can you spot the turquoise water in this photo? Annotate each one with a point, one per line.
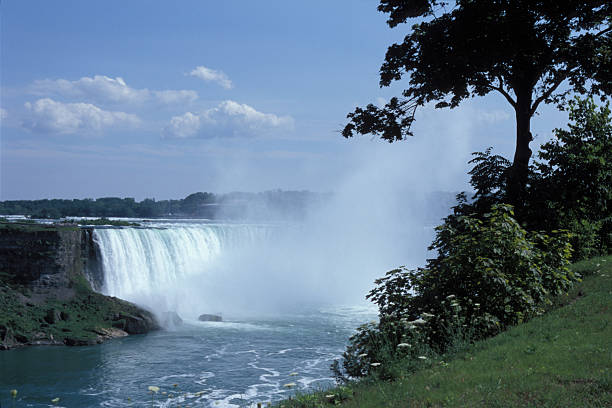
(235, 363)
(192, 267)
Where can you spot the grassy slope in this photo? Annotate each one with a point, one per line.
(563, 359)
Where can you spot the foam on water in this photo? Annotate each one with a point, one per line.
(212, 366)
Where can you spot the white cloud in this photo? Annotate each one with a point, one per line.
(3, 113)
(213, 75)
(49, 116)
(183, 126)
(228, 119)
(101, 89)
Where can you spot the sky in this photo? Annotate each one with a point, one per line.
(152, 99)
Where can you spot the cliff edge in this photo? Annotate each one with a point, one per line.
(45, 297)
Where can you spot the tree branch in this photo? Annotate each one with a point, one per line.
(502, 91)
(602, 32)
(546, 94)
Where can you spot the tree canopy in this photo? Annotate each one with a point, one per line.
(524, 50)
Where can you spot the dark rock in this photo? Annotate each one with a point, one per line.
(53, 316)
(136, 324)
(210, 318)
(75, 341)
(7, 340)
(40, 257)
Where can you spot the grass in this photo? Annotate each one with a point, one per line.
(560, 359)
(102, 221)
(28, 225)
(77, 320)
(32, 226)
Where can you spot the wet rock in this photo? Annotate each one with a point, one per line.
(75, 341)
(108, 333)
(210, 318)
(136, 324)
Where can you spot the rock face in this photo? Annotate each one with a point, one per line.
(47, 299)
(210, 318)
(38, 256)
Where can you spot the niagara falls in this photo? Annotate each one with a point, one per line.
(291, 204)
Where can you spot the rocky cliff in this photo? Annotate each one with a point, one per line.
(45, 296)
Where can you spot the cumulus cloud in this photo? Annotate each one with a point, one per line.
(101, 89)
(228, 119)
(183, 126)
(49, 116)
(212, 75)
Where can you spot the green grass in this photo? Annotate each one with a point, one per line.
(560, 359)
(28, 226)
(103, 221)
(79, 318)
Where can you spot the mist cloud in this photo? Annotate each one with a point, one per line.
(228, 119)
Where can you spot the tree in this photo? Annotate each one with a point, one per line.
(523, 49)
(575, 180)
(193, 203)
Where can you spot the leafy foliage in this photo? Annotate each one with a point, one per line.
(569, 188)
(532, 364)
(489, 274)
(288, 204)
(575, 178)
(522, 49)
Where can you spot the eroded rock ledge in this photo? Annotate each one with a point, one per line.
(45, 297)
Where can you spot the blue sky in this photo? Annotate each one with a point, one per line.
(162, 99)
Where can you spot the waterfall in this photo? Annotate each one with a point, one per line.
(148, 261)
(245, 269)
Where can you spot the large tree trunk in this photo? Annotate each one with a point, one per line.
(517, 179)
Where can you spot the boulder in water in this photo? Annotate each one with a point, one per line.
(210, 318)
(139, 323)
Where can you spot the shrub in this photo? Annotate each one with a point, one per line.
(490, 273)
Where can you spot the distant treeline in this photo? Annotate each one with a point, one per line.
(269, 204)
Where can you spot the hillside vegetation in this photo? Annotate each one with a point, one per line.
(482, 301)
(560, 359)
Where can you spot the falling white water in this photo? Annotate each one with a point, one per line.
(142, 262)
(245, 270)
